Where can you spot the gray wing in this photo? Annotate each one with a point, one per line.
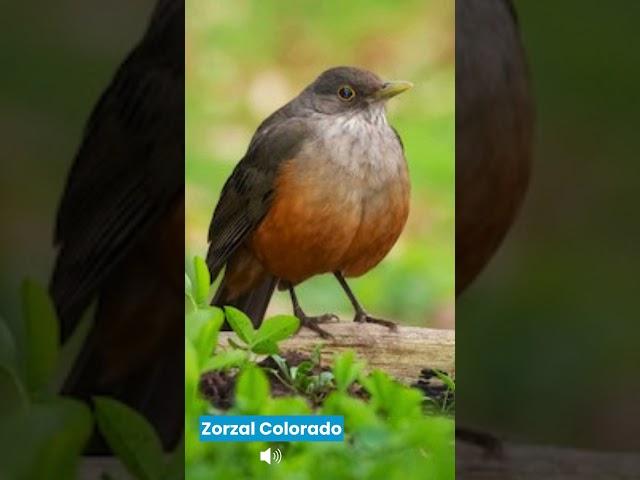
(398, 137)
(247, 194)
(126, 175)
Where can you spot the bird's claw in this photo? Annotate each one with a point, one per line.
(364, 317)
(312, 322)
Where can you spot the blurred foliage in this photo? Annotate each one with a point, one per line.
(548, 338)
(394, 434)
(42, 433)
(57, 58)
(245, 59)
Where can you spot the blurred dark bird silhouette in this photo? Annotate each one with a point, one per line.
(494, 125)
(120, 233)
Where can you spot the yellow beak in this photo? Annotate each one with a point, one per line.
(391, 89)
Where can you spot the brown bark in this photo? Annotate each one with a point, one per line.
(402, 353)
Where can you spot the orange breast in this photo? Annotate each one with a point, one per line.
(384, 215)
(320, 223)
(308, 228)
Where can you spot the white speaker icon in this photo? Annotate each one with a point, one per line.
(267, 455)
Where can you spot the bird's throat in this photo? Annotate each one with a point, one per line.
(360, 145)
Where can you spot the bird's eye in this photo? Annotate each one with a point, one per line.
(346, 93)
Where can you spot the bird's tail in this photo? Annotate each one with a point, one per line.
(132, 354)
(253, 303)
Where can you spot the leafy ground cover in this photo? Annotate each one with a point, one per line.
(392, 431)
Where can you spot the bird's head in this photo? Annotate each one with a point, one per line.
(343, 90)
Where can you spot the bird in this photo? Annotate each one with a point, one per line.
(120, 234)
(323, 188)
(494, 131)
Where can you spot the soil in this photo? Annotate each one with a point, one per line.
(218, 387)
(433, 387)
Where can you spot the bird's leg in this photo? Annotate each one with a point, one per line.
(307, 321)
(361, 313)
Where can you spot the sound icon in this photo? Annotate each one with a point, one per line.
(267, 455)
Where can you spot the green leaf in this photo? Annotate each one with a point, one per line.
(188, 293)
(131, 437)
(392, 398)
(325, 378)
(61, 455)
(287, 406)
(252, 390)
(283, 367)
(188, 288)
(13, 398)
(357, 414)
(42, 336)
(201, 328)
(304, 368)
(194, 322)
(266, 347)
(70, 351)
(408, 404)
(49, 438)
(8, 351)
(240, 324)
(380, 386)
(236, 345)
(202, 281)
(446, 379)
(191, 376)
(207, 338)
(276, 328)
(346, 370)
(175, 464)
(222, 360)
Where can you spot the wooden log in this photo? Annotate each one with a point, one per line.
(101, 468)
(534, 462)
(512, 462)
(402, 353)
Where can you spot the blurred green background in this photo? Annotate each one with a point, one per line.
(57, 58)
(548, 344)
(245, 59)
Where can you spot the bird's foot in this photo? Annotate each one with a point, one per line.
(364, 317)
(312, 322)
